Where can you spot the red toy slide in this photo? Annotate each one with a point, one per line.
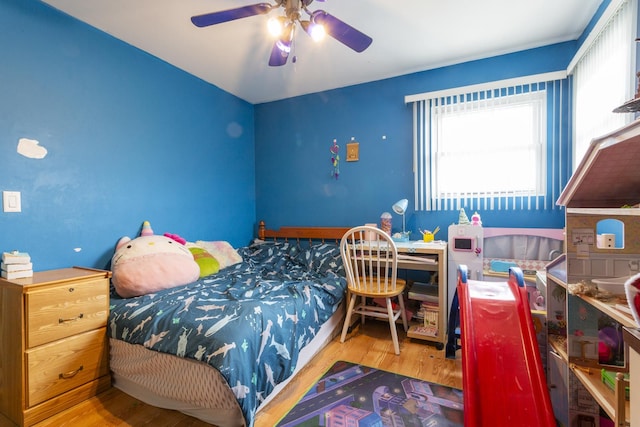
(502, 375)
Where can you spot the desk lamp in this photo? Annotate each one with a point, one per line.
(400, 207)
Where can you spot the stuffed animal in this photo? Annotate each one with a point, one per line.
(176, 237)
(208, 263)
(151, 263)
(146, 229)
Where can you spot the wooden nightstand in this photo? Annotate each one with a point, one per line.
(53, 341)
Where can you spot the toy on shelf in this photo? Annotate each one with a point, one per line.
(463, 219)
(475, 219)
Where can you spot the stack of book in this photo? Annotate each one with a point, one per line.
(16, 265)
(427, 295)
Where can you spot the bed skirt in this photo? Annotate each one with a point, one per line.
(191, 386)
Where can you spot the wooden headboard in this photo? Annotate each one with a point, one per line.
(302, 233)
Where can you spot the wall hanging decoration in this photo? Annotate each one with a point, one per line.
(335, 159)
(352, 151)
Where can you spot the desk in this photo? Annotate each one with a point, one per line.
(432, 256)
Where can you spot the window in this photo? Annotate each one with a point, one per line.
(490, 146)
(603, 75)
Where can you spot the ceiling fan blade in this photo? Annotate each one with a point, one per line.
(230, 14)
(342, 31)
(278, 57)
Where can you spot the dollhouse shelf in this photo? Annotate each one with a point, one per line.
(592, 381)
(604, 189)
(608, 308)
(633, 105)
(629, 106)
(559, 345)
(589, 376)
(603, 395)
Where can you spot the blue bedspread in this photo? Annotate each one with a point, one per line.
(249, 321)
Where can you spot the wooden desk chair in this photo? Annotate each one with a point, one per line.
(371, 264)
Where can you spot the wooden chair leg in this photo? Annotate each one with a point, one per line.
(403, 313)
(347, 319)
(392, 326)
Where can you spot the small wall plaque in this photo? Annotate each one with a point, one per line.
(352, 151)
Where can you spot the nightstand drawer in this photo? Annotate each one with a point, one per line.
(61, 366)
(61, 311)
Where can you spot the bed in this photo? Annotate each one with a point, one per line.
(221, 347)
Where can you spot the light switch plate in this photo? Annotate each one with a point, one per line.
(11, 201)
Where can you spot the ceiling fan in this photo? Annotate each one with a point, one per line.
(284, 27)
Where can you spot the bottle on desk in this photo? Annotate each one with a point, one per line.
(385, 222)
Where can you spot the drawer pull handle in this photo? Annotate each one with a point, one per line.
(71, 319)
(71, 374)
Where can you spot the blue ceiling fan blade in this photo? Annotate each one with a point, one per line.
(278, 56)
(230, 14)
(342, 31)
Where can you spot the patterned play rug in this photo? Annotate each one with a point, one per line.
(349, 394)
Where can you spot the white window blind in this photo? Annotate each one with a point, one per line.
(491, 146)
(603, 76)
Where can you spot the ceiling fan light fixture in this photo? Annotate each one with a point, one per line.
(284, 46)
(319, 24)
(316, 31)
(286, 39)
(276, 25)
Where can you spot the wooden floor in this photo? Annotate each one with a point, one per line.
(369, 345)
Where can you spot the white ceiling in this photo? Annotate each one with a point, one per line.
(408, 36)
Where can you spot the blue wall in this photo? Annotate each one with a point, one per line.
(293, 137)
(129, 138)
